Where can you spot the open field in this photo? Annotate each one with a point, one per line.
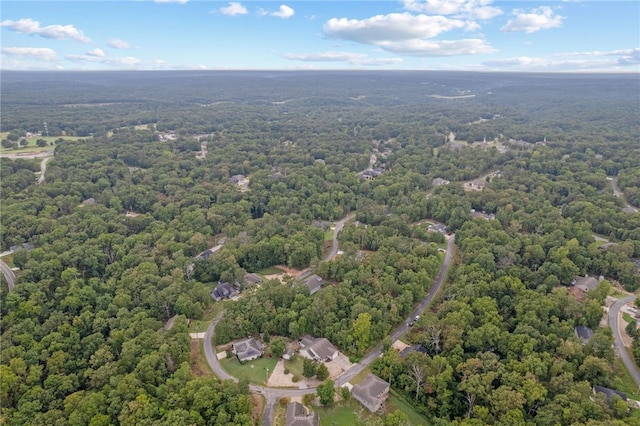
(253, 371)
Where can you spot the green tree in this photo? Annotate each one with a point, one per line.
(326, 392)
(362, 332)
(309, 368)
(322, 372)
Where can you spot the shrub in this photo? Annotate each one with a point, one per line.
(286, 371)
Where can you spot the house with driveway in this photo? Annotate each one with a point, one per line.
(247, 349)
(297, 416)
(372, 392)
(317, 349)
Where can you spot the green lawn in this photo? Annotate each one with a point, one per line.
(271, 270)
(200, 326)
(328, 234)
(623, 381)
(360, 376)
(628, 318)
(342, 413)
(254, 371)
(397, 402)
(294, 365)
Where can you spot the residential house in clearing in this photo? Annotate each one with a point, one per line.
(372, 392)
(314, 283)
(609, 393)
(252, 279)
(439, 181)
(414, 348)
(585, 284)
(247, 349)
(236, 179)
(297, 415)
(584, 333)
(223, 290)
(317, 349)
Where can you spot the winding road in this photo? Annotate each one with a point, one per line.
(616, 192)
(43, 169)
(8, 274)
(614, 318)
(272, 395)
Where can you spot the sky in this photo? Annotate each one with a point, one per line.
(470, 35)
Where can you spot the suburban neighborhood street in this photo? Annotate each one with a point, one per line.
(272, 395)
(614, 318)
(8, 274)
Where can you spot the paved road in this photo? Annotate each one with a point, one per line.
(339, 225)
(8, 274)
(620, 194)
(614, 318)
(272, 395)
(377, 351)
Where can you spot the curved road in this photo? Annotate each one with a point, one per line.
(620, 194)
(43, 169)
(339, 225)
(614, 317)
(8, 274)
(272, 395)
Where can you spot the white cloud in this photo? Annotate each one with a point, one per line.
(473, 9)
(58, 32)
(541, 18)
(98, 53)
(124, 60)
(616, 60)
(390, 28)
(349, 57)
(283, 12)
(233, 9)
(119, 44)
(432, 48)
(40, 53)
(172, 1)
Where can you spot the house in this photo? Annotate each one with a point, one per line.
(23, 246)
(205, 254)
(297, 416)
(415, 348)
(439, 181)
(237, 179)
(585, 284)
(89, 202)
(252, 279)
(584, 333)
(314, 283)
(317, 349)
(223, 290)
(607, 246)
(248, 349)
(372, 392)
(438, 227)
(609, 393)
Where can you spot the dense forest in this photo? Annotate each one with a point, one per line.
(125, 209)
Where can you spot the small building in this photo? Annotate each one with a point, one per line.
(236, 179)
(89, 202)
(414, 348)
(609, 393)
(23, 246)
(584, 333)
(222, 291)
(372, 392)
(252, 279)
(314, 283)
(317, 349)
(248, 349)
(585, 284)
(438, 227)
(439, 181)
(297, 415)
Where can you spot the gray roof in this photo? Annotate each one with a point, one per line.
(297, 416)
(313, 283)
(252, 279)
(584, 333)
(370, 389)
(415, 348)
(609, 392)
(223, 290)
(247, 349)
(585, 283)
(319, 347)
(439, 181)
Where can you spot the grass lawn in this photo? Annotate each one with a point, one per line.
(397, 402)
(623, 381)
(294, 365)
(198, 362)
(328, 234)
(360, 376)
(628, 318)
(343, 413)
(200, 326)
(254, 371)
(271, 270)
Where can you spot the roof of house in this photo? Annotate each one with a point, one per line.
(252, 278)
(313, 283)
(248, 348)
(319, 346)
(609, 392)
(585, 283)
(297, 416)
(439, 181)
(584, 333)
(224, 290)
(370, 388)
(415, 348)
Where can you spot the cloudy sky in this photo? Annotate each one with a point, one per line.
(482, 35)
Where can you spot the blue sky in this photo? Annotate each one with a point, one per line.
(475, 35)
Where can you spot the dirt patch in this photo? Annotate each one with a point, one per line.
(257, 403)
(197, 361)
